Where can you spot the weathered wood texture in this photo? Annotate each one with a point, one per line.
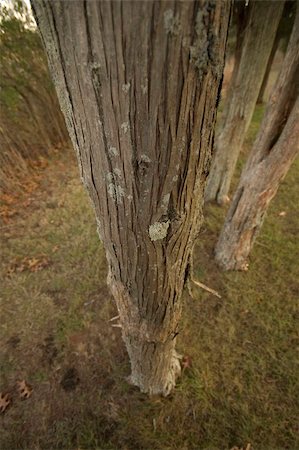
(261, 25)
(138, 84)
(273, 152)
(281, 40)
(240, 16)
(268, 69)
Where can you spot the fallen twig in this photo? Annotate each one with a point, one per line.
(206, 288)
(114, 318)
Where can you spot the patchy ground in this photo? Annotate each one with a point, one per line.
(240, 383)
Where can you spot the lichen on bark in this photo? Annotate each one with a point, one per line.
(158, 230)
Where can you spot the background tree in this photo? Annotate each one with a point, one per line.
(27, 97)
(273, 152)
(138, 84)
(280, 42)
(260, 30)
(234, 49)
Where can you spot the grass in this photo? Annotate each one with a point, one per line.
(55, 334)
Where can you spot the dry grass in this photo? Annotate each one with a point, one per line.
(55, 334)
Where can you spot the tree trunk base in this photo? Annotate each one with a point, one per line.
(155, 364)
(152, 383)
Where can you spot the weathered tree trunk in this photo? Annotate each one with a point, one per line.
(240, 17)
(138, 84)
(273, 152)
(258, 40)
(282, 35)
(268, 69)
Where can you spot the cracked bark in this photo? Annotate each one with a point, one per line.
(137, 83)
(262, 19)
(274, 150)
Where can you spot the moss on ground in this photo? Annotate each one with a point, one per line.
(241, 387)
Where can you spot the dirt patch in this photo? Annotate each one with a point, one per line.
(49, 350)
(13, 341)
(70, 379)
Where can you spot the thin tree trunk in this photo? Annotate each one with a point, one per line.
(272, 155)
(138, 84)
(258, 40)
(241, 16)
(268, 69)
(283, 34)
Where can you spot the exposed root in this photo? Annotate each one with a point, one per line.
(161, 387)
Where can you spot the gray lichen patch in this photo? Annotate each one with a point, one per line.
(117, 172)
(145, 159)
(126, 87)
(158, 230)
(125, 126)
(110, 177)
(114, 189)
(113, 151)
(199, 50)
(95, 65)
(171, 22)
(116, 192)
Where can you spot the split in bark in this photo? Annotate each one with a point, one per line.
(138, 84)
(273, 152)
(262, 22)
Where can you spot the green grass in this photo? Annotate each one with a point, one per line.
(242, 385)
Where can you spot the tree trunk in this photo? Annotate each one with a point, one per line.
(268, 69)
(240, 17)
(273, 152)
(138, 84)
(258, 40)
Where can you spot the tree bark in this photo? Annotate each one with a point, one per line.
(258, 40)
(272, 155)
(240, 17)
(268, 69)
(138, 85)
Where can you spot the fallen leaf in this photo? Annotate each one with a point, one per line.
(33, 264)
(27, 203)
(4, 402)
(24, 389)
(248, 447)
(282, 214)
